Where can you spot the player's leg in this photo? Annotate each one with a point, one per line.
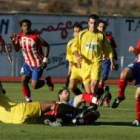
(26, 73)
(128, 74)
(96, 71)
(37, 83)
(105, 73)
(137, 105)
(73, 85)
(25, 87)
(75, 79)
(2, 90)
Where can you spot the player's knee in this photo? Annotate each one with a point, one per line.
(72, 87)
(33, 85)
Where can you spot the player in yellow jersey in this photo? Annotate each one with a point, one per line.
(35, 112)
(89, 46)
(74, 74)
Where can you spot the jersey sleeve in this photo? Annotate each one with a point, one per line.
(69, 53)
(138, 45)
(18, 38)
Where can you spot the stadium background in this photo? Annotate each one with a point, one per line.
(56, 29)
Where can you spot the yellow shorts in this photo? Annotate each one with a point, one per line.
(91, 71)
(75, 73)
(18, 113)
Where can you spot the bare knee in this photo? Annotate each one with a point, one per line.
(137, 94)
(125, 74)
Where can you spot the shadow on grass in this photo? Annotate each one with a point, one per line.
(114, 123)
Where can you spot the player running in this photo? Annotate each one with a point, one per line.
(35, 60)
(74, 73)
(130, 73)
(89, 46)
(102, 88)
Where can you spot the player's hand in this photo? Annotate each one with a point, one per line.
(112, 66)
(131, 49)
(44, 65)
(79, 60)
(13, 37)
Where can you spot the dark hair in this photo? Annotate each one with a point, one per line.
(78, 25)
(61, 90)
(102, 21)
(96, 18)
(25, 21)
(93, 16)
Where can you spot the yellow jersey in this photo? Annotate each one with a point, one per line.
(18, 113)
(92, 45)
(69, 51)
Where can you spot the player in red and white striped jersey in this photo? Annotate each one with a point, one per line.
(3, 47)
(35, 59)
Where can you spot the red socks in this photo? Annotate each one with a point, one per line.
(89, 98)
(137, 103)
(121, 88)
(26, 92)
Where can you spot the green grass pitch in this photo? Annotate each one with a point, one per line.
(113, 124)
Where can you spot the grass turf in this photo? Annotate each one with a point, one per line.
(114, 124)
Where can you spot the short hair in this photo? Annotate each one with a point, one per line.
(25, 21)
(102, 21)
(61, 90)
(78, 25)
(93, 16)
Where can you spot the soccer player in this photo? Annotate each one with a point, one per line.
(106, 65)
(20, 113)
(35, 60)
(130, 73)
(4, 48)
(74, 76)
(89, 115)
(90, 43)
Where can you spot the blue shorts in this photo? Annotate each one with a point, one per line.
(71, 102)
(106, 69)
(33, 72)
(135, 69)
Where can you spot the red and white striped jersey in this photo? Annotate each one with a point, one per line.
(31, 48)
(2, 42)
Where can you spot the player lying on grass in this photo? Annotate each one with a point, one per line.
(130, 73)
(20, 113)
(89, 115)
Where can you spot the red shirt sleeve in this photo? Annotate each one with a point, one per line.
(138, 45)
(18, 40)
(112, 41)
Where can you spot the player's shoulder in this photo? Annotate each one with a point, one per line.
(20, 34)
(34, 33)
(83, 31)
(70, 42)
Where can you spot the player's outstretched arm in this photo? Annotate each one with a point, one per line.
(13, 42)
